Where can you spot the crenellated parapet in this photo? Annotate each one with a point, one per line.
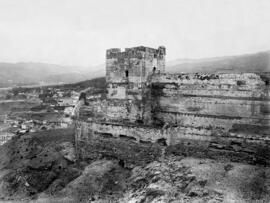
(136, 52)
(236, 79)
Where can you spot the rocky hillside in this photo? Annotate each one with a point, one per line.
(173, 179)
(42, 167)
(33, 163)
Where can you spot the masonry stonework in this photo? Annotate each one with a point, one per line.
(211, 114)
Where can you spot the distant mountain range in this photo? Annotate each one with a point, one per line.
(19, 74)
(258, 62)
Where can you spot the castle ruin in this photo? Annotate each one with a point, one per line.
(225, 115)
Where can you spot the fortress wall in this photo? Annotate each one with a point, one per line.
(209, 115)
(131, 91)
(112, 110)
(95, 141)
(143, 133)
(123, 112)
(206, 115)
(244, 92)
(212, 101)
(207, 121)
(211, 105)
(117, 91)
(231, 108)
(249, 79)
(181, 140)
(172, 135)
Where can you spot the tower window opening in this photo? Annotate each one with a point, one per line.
(126, 73)
(154, 69)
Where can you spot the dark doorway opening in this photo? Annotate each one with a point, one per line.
(126, 73)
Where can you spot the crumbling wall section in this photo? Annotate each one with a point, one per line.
(118, 141)
(113, 141)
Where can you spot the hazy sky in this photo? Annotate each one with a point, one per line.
(77, 32)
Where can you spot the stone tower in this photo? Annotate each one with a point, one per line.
(127, 72)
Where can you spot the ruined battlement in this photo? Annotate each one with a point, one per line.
(136, 52)
(200, 78)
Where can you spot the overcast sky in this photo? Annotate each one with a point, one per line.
(77, 32)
